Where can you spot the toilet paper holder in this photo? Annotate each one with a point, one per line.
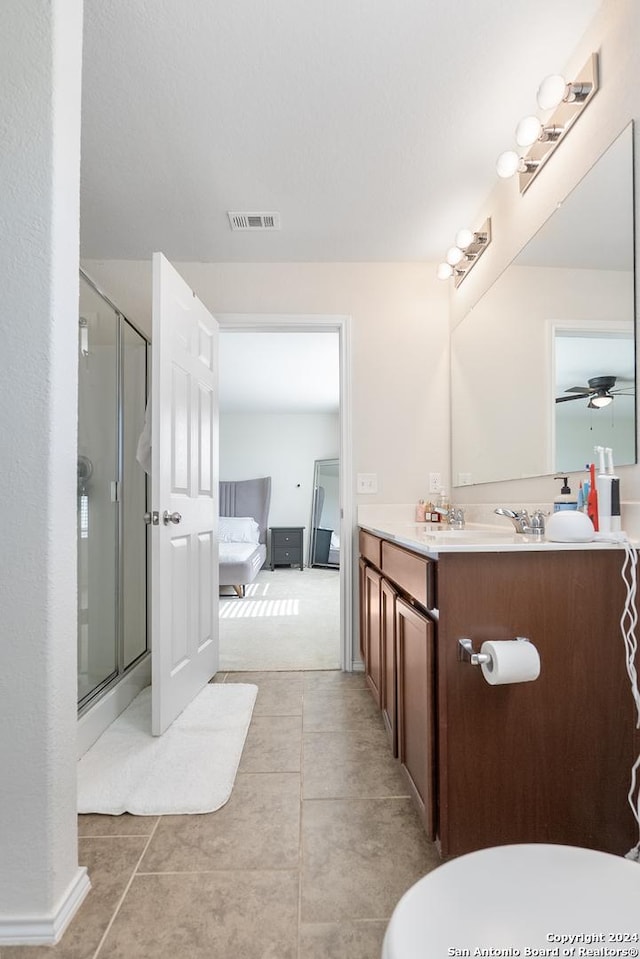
(467, 655)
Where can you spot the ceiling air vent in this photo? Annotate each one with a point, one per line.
(254, 221)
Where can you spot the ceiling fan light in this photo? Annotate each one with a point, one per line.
(600, 399)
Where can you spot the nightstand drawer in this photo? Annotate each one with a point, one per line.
(282, 555)
(286, 537)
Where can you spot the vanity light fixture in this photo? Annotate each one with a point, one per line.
(463, 256)
(567, 100)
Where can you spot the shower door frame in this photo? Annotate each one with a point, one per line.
(89, 700)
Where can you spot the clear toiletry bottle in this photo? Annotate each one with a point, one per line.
(565, 499)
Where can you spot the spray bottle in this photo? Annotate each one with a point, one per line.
(604, 483)
(616, 522)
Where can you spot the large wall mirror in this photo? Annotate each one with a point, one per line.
(324, 542)
(543, 367)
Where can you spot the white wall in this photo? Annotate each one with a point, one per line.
(400, 347)
(40, 68)
(284, 447)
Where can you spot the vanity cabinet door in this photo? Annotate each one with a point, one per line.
(372, 631)
(388, 596)
(415, 640)
(544, 761)
(362, 619)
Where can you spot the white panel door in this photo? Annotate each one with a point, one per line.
(184, 495)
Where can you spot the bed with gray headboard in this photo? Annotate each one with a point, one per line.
(243, 544)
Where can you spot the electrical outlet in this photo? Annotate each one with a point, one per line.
(435, 482)
(367, 483)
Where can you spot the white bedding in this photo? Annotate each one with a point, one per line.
(235, 552)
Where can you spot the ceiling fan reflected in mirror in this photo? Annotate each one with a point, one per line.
(600, 391)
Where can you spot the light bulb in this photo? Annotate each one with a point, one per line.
(551, 91)
(444, 271)
(508, 163)
(454, 255)
(464, 238)
(528, 131)
(600, 399)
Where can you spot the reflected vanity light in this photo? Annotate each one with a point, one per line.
(463, 256)
(567, 100)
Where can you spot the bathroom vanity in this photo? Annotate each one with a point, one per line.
(542, 761)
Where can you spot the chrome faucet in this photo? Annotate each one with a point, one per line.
(521, 520)
(454, 516)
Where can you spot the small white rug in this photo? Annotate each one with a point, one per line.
(191, 768)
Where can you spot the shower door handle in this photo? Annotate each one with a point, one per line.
(168, 517)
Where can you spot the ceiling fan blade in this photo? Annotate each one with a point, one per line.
(576, 396)
(582, 390)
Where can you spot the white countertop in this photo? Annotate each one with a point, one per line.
(431, 539)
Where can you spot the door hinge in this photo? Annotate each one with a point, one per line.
(115, 491)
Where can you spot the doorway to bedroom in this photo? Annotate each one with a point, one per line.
(283, 410)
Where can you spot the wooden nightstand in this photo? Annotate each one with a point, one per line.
(286, 546)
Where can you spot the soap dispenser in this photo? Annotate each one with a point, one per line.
(565, 499)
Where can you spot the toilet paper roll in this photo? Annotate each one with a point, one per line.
(512, 661)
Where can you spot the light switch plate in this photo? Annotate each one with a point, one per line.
(367, 483)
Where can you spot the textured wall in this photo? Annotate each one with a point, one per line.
(39, 229)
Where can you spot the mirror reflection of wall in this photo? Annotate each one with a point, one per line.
(325, 514)
(576, 272)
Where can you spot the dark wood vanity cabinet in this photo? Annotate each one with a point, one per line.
(415, 647)
(542, 761)
(397, 643)
(371, 582)
(388, 690)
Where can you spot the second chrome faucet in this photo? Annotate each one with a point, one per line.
(454, 516)
(522, 522)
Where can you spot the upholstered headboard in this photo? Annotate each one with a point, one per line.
(247, 498)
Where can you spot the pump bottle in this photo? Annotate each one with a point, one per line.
(565, 499)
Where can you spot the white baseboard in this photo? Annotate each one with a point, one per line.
(93, 723)
(47, 930)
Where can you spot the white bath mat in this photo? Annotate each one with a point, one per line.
(189, 769)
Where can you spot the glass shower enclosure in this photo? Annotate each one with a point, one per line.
(112, 495)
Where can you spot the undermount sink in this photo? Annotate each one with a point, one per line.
(468, 535)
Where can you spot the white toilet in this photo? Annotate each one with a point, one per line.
(520, 900)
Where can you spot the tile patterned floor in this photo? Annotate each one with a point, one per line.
(306, 861)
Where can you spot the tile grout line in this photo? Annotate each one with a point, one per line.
(134, 872)
(300, 853)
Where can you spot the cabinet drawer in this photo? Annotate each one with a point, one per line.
(370, 548)
(415, 575)
(286, 537)
(283, 555)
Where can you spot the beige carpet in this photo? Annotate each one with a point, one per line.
(289, 619)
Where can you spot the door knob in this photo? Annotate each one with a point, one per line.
(168, 517)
